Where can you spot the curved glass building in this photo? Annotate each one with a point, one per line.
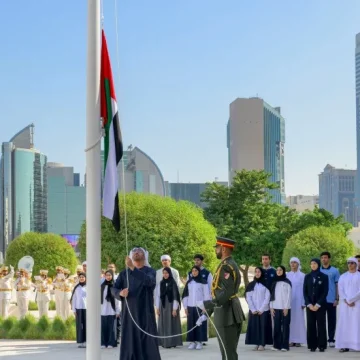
(23, 188)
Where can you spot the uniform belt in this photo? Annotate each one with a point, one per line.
(24, 289)
(42, 291)
(5, 289)
(67, 290)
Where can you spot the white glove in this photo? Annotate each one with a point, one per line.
(201, 319)
(200, 304)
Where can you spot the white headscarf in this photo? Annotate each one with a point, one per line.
(146, 253)
(165, 257)
(295, 259)
(352, 259)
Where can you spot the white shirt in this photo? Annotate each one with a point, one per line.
(197, 292)
(259, 298)
(6, 286)
(79, 298)
(106, 308)
(209, 279)
(282, 296)
(175, 274)
(158, 300)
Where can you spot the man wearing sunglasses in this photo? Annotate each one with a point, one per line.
(348, 328)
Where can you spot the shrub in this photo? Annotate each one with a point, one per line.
(52, 305)
(33, 306)
(161, 225)
(309, 243)
(24, 324)
(33, 333)
(48, 250)
(43, 324)
(9, 323)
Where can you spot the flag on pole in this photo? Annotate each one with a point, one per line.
(113, 147)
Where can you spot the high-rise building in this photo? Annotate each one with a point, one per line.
(23, 187)
(190, 192)
(337, 192)
(357, 102)
(141, 173)
(66, 207)
(255, 141)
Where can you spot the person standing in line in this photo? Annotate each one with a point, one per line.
(259, 329)
(316, 287)
(204, 273)
(84, 265)
(225, 304)
(6, 279)
(166, 262)
(136, 284)
(43, 293)
(348, 328)
(167, 302)
(297, 324)
(358, 262)
(68, 287)
(23, 287)
(110, 311)
(332, 296)
(58, 284)
(196, 289)
(112, 267)
(269, 271)
(280, 308)
(78, 304)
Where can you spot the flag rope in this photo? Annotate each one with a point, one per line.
(125, 217)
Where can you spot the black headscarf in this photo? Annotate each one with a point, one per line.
(168, 288)
(109, 297)
(315, 273)
(277, 280)
(199, 279)
(78, 284)
(260, 280)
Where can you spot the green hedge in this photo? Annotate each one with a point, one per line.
(30, 328)
(34, 307)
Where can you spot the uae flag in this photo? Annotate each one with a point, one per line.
(113, 147)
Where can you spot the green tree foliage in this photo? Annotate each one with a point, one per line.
(309, 243)
(162, 226)
(244, 212)
(48, 251)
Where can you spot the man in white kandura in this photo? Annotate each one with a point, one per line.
(348, 327)
(297, 324)
(166, 262)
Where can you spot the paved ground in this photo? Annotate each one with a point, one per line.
(40, 350)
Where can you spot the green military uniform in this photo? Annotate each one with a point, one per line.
(228, 314)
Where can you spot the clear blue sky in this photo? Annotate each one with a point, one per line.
(182, 63)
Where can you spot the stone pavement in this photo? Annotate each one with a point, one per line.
(59, 350)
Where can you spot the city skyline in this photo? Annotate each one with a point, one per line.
(176, 84)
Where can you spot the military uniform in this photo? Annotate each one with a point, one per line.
(68, 287)
(6, 279)
(59, 291)
(228, 314)
(23, 286)
(42, 284)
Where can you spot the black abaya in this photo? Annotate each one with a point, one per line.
(135, 345)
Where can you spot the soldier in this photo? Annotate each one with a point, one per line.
(23, 286)
(43, 292)
(228, 314)
(5, 290)
(59, 290)
(68, 287)
(79, 270)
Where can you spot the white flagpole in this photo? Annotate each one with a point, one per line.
(93, 183)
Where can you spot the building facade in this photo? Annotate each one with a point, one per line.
(23, 188)
(302, 202)
(190, 192)
(357, 104)
(140, 174)
(255, 141)
(66, 200)
(337, 192)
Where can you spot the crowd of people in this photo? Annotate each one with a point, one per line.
(277, 301)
